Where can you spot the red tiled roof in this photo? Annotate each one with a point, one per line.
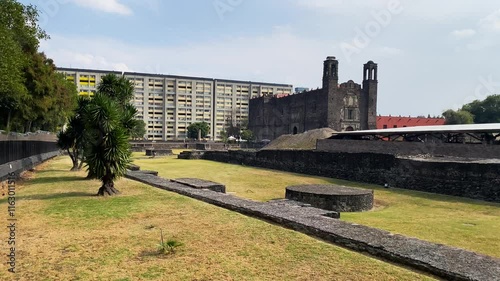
(399, 122)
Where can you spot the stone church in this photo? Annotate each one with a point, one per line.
(343, 107)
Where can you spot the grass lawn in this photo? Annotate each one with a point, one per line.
(66, 233)
(459, 222)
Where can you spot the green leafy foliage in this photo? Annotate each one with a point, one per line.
(479, 112)
(486, 111)
(109, 119)
(237, 129)
(32, 95)
(195, 127)
(72, 140)
(117, 88)
(458, 117)
(247, 135)
(168, 247)
(139, 130)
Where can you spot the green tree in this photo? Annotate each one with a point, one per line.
(139, 130)
(486, 111)
(458, 117)
(12, 89)
(52, 99)
(110, 119)
(72, 139)
(32, 95)
(117, 88)
(199, 126)
(19, 38)
(233, 127)
(247, 135)
(224, 136)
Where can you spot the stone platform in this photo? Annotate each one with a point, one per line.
(332, 197)
(201, 184)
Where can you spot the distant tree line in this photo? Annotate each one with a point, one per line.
(33, 96)
(478, 112)
(237, 130)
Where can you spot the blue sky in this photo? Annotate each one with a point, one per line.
(432, 55)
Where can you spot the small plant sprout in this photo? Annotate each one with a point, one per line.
(168, 247)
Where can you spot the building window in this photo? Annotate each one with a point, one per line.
(350, 114)
(385, 126)
(395, 126)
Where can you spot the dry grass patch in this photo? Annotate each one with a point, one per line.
(459, 222)
(65, 233)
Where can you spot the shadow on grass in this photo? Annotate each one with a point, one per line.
(154, 254)
(49, 180)
(50, 171)
(51, 196)
(57, 196)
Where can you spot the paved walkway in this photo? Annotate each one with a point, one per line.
(440, 260)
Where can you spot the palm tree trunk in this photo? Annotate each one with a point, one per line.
(8, 121)
(81, 164)
(28, 126)
(108, 187)
(74, 159)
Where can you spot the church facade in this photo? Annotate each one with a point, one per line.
(343, 107)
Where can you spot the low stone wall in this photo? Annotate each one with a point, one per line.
(442, 261)
(410, 148)
(22, 165)
(159, 152)
(12, 150)
(40, 136)
(142, 146)
(465, 179)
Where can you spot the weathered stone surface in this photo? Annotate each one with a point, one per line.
(410, 148)
(25, 164)
(202, 184)
(133, 167)
(141, 146)
(203, 146)
(191, 155)
(440, 260)
(159, 152)
(332, 197)
(153, 173)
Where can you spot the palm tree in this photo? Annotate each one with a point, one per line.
(72, 139)
(110, 119)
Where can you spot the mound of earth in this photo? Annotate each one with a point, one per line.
(304, 141)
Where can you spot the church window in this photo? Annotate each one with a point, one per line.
(350, 114)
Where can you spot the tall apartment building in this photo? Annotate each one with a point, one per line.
(168, 104)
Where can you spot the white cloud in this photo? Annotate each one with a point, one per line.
(389, 51)
(351, 7)
(423, 10)
(485, 34)
(463, 33)
(491, 22)
(320, 4)
(108, 6)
